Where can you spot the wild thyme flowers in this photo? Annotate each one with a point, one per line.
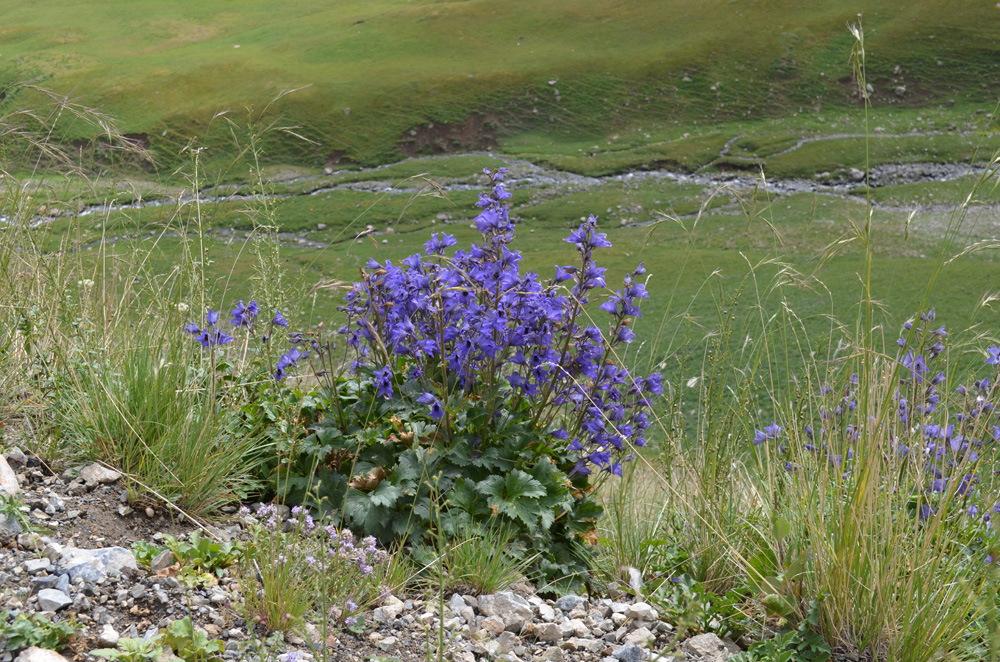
(297, 566)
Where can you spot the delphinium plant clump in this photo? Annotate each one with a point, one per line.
(478, 394)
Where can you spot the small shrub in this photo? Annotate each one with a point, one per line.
(285, 575)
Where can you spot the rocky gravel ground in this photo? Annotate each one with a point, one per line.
(75, 562)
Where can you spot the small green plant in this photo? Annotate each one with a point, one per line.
(201, 559)
(189, 644)
(10, 508)
(25, 631)
(287, 575)
(801, 644)
(144, 552)
(132, 650)
(484, 560)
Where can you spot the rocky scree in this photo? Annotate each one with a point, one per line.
(71, 571)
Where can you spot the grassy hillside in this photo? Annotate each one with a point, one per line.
(392, 77)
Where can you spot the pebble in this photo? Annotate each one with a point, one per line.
(108, 636)
(51, 599)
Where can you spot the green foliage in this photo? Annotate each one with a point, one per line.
(376, 460)
(189, 644)
(27, 630)
(132, 650)
(693, 609)
(144, 552)
(201, 557)
(483, 560)
(803, 643)
(146, 412)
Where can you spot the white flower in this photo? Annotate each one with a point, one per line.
(86, 282)
(182, 307)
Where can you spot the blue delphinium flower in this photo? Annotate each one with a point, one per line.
(437, 410)
(480, 320)
(279, 320)
(209, 336)
(770, 432)
(383, 382)
(244, 315)
(286, 361)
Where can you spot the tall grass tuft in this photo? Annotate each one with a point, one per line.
(813, 475)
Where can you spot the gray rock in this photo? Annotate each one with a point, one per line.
(711, 648)
(387, 644)
(62, 584)
(554, 655)
(855, 175)
(10, 529)
(35, 566)
(629, 653)
(93, 565)
(507, 642)
(97, 474)
(161, 561)
(548, 632)
(391, 608)
(456, 604)
(642, 637)
(509, 607)
(900, 91)
(34, 654)
(46, 581)
(108, 636)
(8, 480)
(50, 599)
(16, 458)
(574, 628)
(569, 602)
(641, 611)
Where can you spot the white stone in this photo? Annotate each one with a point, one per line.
(95, 564)
(34, 654)
(97, 474)
(641, 611)
(8, 479)
(640, 637)
(509, 607)
(548, 632)
(108, 636)
(711, 648)
(574, 628)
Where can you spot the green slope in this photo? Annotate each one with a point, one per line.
(388, 77)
